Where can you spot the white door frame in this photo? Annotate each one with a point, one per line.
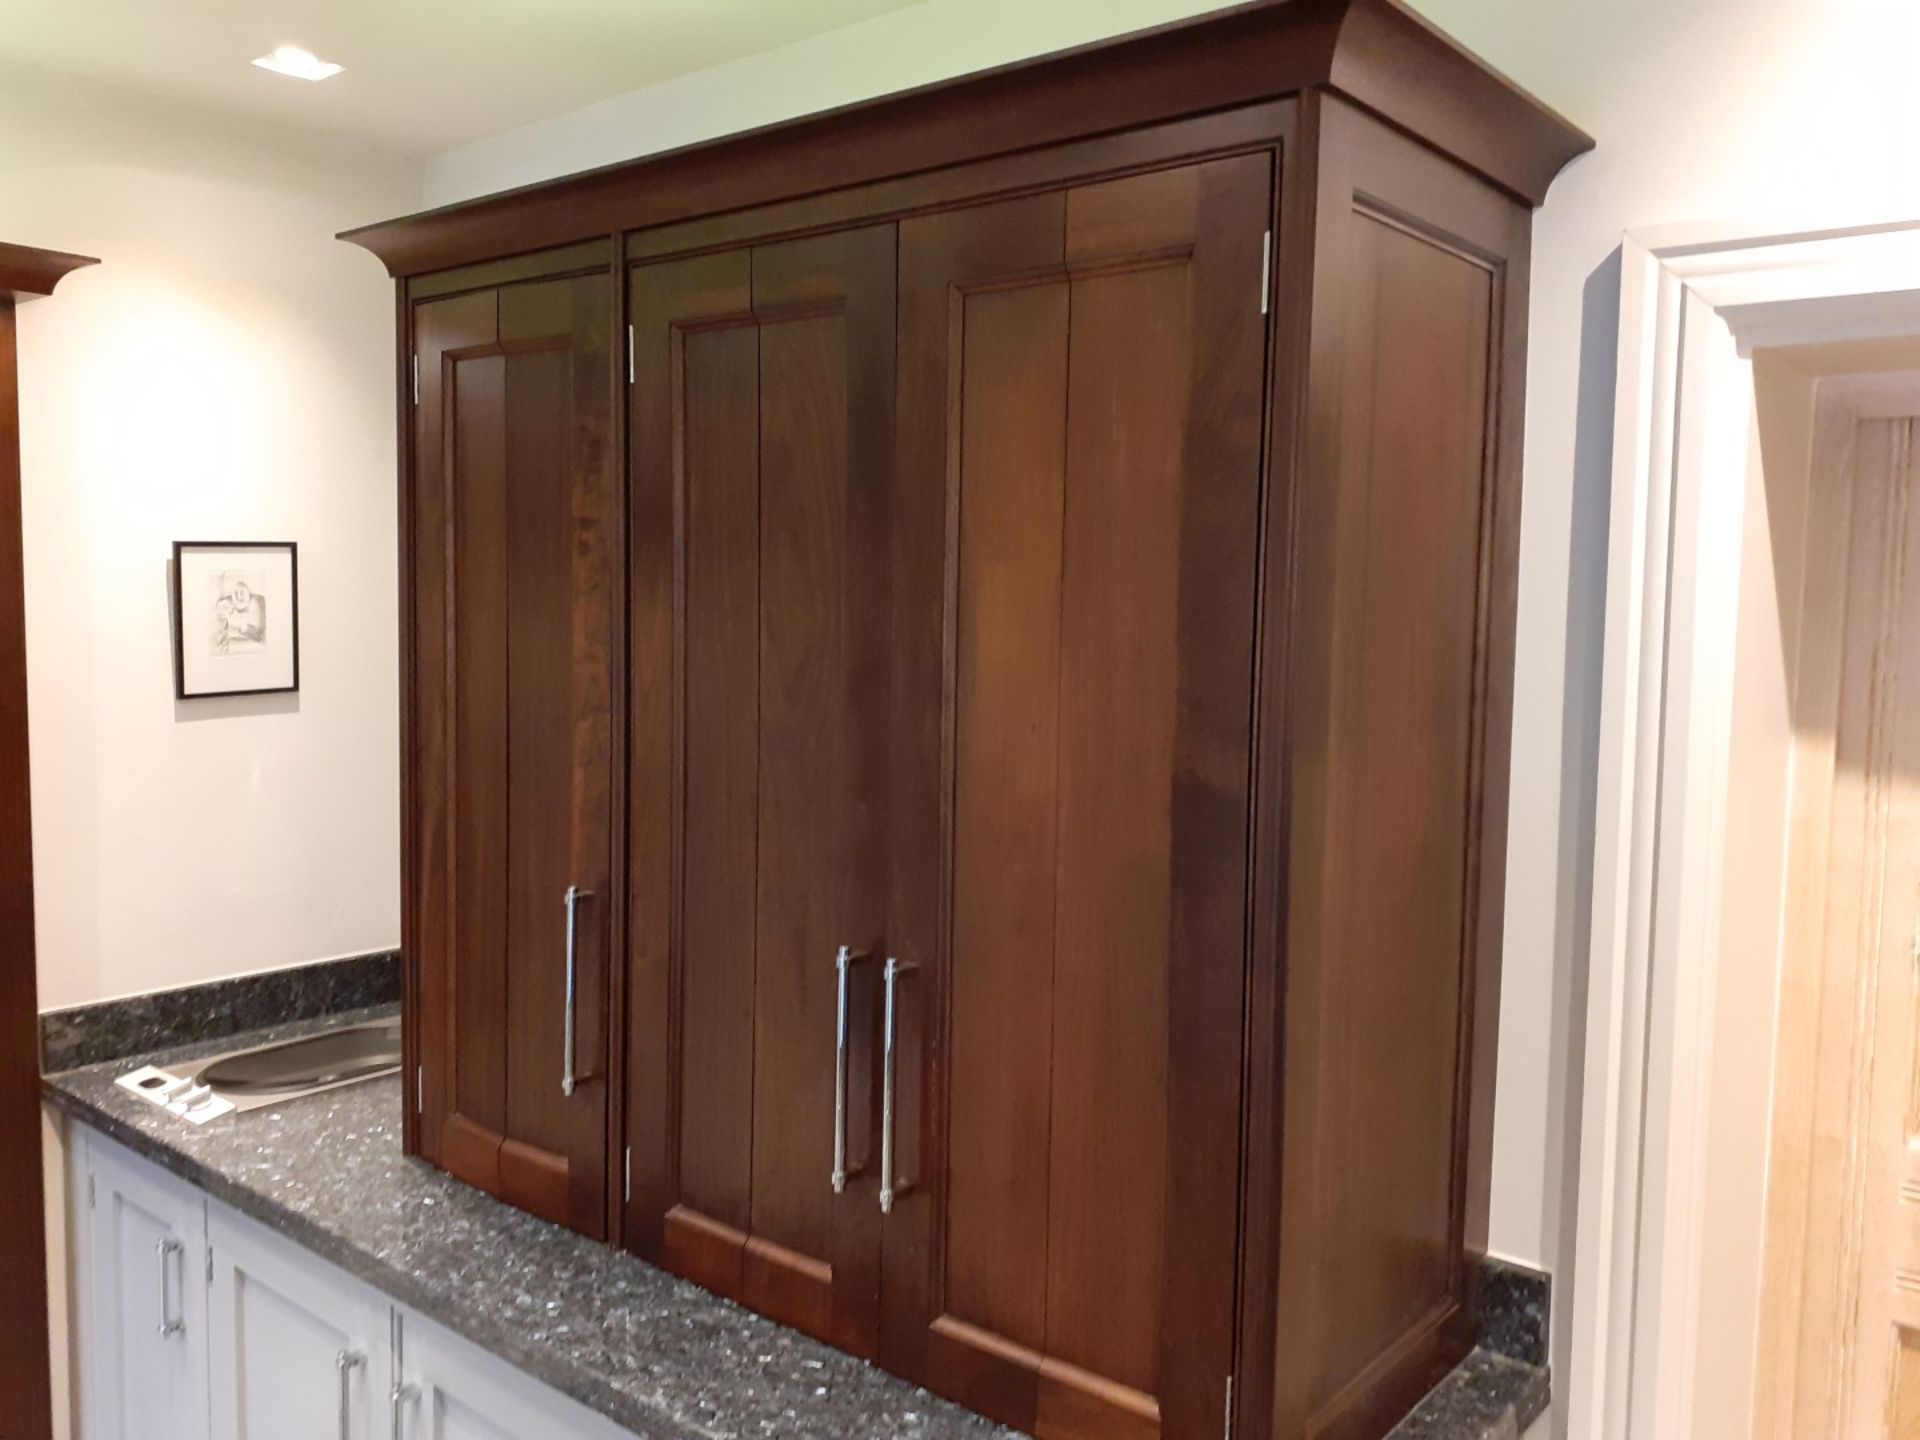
(1693, 306)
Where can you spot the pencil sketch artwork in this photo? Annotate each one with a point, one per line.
(238, 623)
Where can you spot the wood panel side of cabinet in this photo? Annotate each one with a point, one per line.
(23, 1319)
(1399, 691)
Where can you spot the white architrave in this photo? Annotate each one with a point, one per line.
(1692, 308)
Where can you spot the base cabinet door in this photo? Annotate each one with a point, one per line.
(298, 1351)
(144, 1345)
(449, 1390)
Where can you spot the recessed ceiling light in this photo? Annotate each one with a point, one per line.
(301, 64)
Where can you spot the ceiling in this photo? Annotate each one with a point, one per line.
(421, 75)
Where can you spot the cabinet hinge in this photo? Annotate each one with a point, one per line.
(416, 379)
(1227, 1430)
(630, 354)
(419, 1089)
(90, 1195)
(627, 1176)
(209, 1266)
(1266, 270)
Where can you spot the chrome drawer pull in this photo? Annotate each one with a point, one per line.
(843, 963)
(171, 1324)
(568, 1080)
(401, 1397)
(891, 1186)
(344, 1364)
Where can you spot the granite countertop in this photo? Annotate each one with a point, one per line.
(662, 1357)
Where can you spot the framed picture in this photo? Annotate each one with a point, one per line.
(236, 617)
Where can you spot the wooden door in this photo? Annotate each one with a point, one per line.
(1840, 1331)
(1080, 422)
(298, 1351)
(144, 1350)
(761, 467)
(515, 526)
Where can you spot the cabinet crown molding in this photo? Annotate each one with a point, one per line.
(1376, 53)
(27, 273)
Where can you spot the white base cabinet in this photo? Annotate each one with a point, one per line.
(296, 1351)
(197, 1323)
(454, 1391)
(145, 1309)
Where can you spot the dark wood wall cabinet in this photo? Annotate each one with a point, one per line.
(27, 1406)
(958, 669)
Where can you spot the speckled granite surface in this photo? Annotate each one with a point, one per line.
(662, 1357)
(90, 1034)
(1487, 1397)
(1515, 1304)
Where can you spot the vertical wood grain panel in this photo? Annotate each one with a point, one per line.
(1399, 831)
(826, 312)
(1007, 675)
(670, 306)
(1099, 724)
(941, 258)
(763, 391)
(803, 559)
(718, 389)
(1841, 1289)
(1211, 832)
(537, 626)
(440, 330)
(1119, 617)
(563, 518)
(1404, 514)
(513, 660)
(477, 949)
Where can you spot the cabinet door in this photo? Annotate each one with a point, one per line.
(450, 1390)
(144, 1353)
(513, 646)
(1080, 423)
(762, 463)
(298, 1352)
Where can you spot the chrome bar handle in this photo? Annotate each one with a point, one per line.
(344, 1364)
(400, 1397)
(843, 963)
(402, 1394)
(169, 1250)
(568, 1080)
(890, 1184)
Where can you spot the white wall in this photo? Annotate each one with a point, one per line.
(1776, 114)
(224, 374)
(935, 40)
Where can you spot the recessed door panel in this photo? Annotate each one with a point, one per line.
(761, 423)
(514, 525)
(146, 1365)
(1081, 385)
(293, 1341)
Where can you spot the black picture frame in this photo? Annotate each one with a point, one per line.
(180, 550)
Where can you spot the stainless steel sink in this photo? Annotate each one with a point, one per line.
(290, 1069)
